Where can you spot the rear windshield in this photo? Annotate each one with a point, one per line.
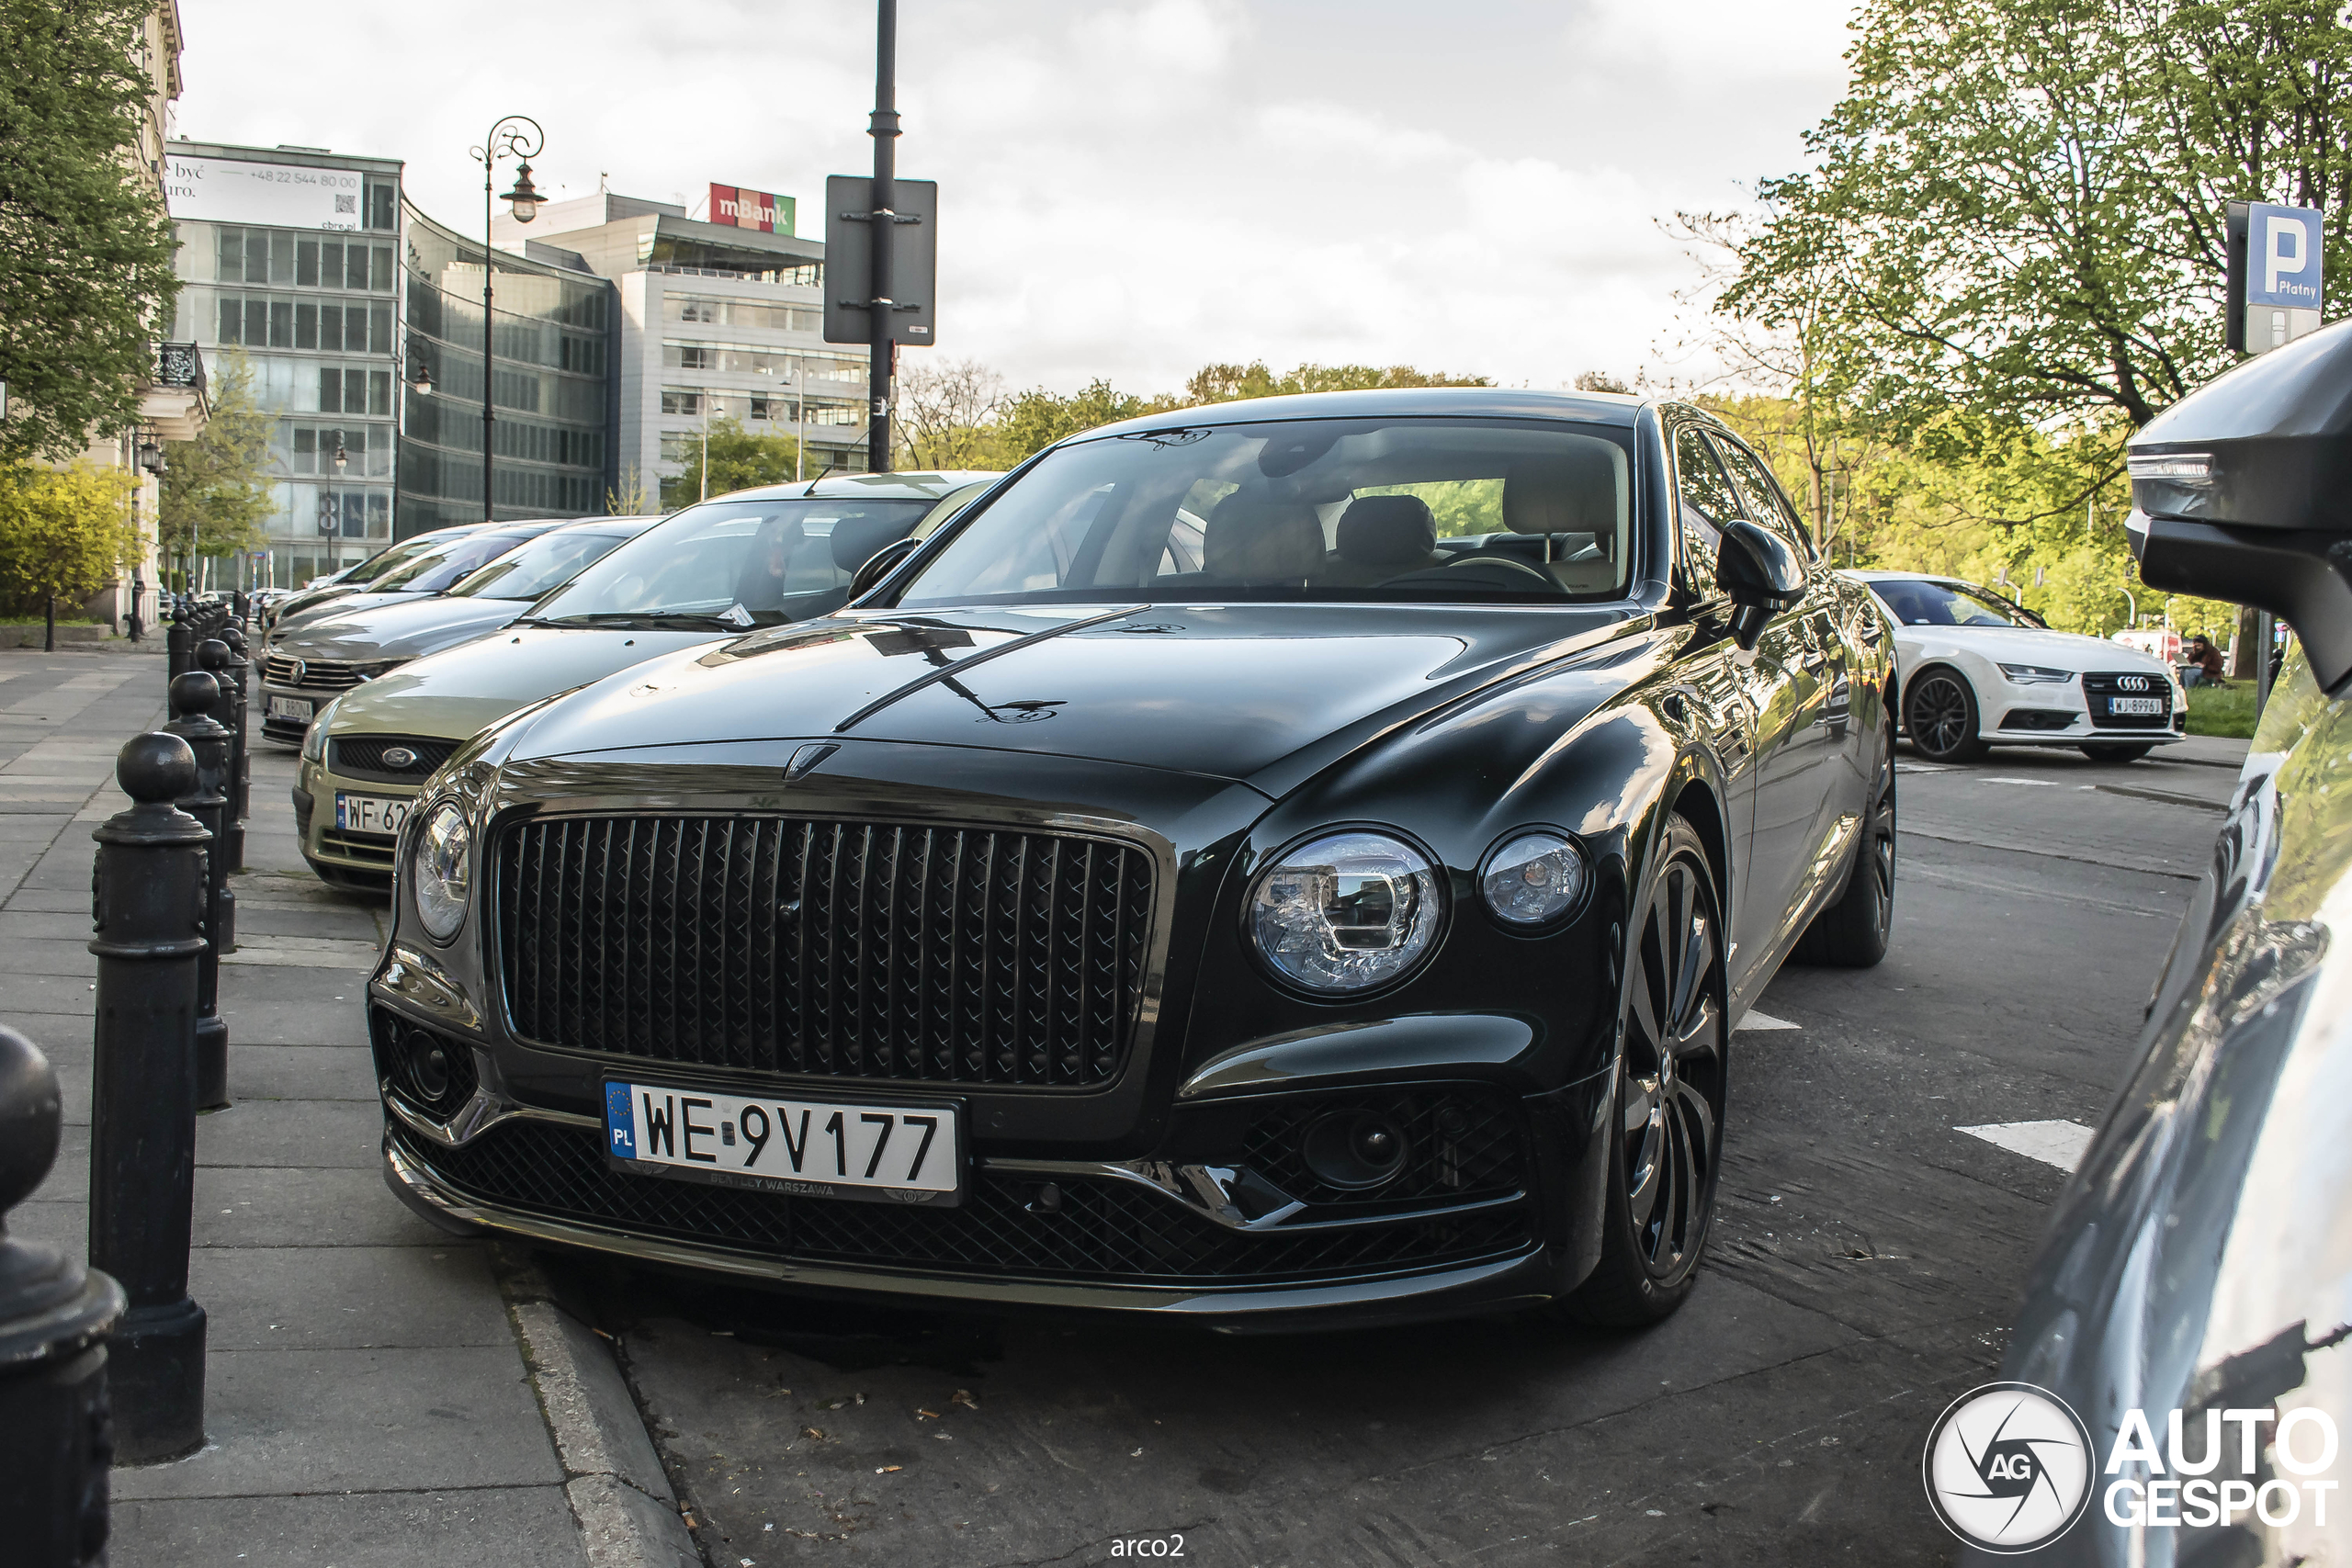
(549, 561)
(1350, 509)
(737, 563)
(444, 564)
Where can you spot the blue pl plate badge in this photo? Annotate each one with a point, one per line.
(620, 1120)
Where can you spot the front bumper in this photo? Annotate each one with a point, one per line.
(351, 860)
(289, 732)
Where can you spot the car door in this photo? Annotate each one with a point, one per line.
(1728, 687)
(1786, 687)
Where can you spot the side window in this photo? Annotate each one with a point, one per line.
(1765, 502)
(1705, 501)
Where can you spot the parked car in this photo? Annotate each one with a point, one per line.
(1980, 671)
(294, 688)
(1299, 860)
(356, 577)
(2196, 1273)
(366, 753)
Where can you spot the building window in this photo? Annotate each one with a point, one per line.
(383, 204)
(677, 446)
(770, 408)
(835, 413)
(689, 356)
(688, 403)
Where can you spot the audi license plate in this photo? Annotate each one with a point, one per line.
(2154, 706)
(297, 708)
(370, 813)
(900, 1151)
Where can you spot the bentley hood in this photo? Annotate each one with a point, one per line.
(457, 693)
(1227, 691)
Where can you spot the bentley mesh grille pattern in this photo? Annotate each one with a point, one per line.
(1106, 1231)
(842, 949)
(2100, 688)
(363, 755)
(1459, 1144)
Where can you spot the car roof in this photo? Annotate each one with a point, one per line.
(921, 484)
(625, 527)
(1398, 403)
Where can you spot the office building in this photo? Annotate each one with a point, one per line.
(714, 319)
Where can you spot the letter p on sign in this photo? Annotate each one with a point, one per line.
(2284, 251)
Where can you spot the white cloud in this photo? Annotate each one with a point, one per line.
(1129, 187)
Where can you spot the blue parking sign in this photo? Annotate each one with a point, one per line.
(2283, 257)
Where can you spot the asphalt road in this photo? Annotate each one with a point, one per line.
(1866, 1259)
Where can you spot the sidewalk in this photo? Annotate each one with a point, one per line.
(371, 1396)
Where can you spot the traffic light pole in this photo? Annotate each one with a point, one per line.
(884, 128)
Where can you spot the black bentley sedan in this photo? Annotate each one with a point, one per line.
(1297, 861)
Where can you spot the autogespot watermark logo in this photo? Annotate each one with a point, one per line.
(2008, 1467)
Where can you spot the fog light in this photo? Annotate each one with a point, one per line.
(1354, 1149)
(428, 1066)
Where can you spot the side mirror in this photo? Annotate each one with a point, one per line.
(1762, 572)
(2240, 491)
(879, 565)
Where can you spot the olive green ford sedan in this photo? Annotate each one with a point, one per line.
(755, 557)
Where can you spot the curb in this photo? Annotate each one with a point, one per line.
(621, 1500)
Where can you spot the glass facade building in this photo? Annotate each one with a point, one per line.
(288, 259)
(553, 357)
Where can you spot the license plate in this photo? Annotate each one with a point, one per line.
(894, 1153)
(2135, 705)
(370, 813)
(290, 707)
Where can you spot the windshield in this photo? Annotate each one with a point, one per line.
(1362, 509)
(382, 561)
(1916, 603)
(549, 561)
(738, 563)
(446, 563)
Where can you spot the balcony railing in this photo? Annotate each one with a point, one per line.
(179, 365)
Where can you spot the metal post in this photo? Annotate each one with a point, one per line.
(147, 909)
(179, 642)
(2265, 634)
(488, 334)
(48, 609)
(884, 128)
(233, 673)
(195, 698)
(56, 1437)
(138, 601)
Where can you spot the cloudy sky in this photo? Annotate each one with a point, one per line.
(1130, 188)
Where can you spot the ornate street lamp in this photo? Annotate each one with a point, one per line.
(516, 136)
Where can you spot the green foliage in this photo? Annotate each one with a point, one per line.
(1037, 418)
(1232, 383)
(2223, 710)
(739, 460)
(86, 249)
(630, 499)
(215, 497)
(66, 532)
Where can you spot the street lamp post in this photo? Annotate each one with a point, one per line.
(516, 136)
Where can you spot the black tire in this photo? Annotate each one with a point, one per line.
(2115, 750)
(1939, 715)
(1666, 1125)
(1853, 932)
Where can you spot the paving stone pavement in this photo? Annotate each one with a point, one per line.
(368, 1399)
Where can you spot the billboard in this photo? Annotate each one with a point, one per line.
(758, 209)
(284, 196)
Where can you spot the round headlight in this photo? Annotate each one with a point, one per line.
(439, 867)
(1346, 912)
(1532, 878)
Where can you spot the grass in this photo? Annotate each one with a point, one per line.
(36, 620)
(2223, 710)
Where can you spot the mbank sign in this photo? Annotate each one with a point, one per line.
(751, 208)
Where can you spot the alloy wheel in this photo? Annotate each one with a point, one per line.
(1881, 848)
(1671, 1080)
(1939, 718)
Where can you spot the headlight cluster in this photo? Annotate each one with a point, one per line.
(1346, 913)
(1533, 879)
(2036, 675)
(314, 739)
(440, 871)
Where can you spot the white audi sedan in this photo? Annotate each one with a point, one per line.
(1978, 670)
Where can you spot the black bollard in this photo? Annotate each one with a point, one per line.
(196, 697)
(241, 773)
(179, 643)
(148, 908)
(223, 656)
(56, 1440)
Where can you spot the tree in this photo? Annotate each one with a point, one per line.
(944, 412)
(739, 460)
(1232, 383)
(215, 497)
(64, 533)
(631, 499)
(85, 248)
(2018, 202)
(1037, 418)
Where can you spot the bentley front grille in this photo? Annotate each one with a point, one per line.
(852, 950)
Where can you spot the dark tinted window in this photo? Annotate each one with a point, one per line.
(1765, 502)
(1706, 502)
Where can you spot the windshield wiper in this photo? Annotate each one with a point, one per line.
(634, 618)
